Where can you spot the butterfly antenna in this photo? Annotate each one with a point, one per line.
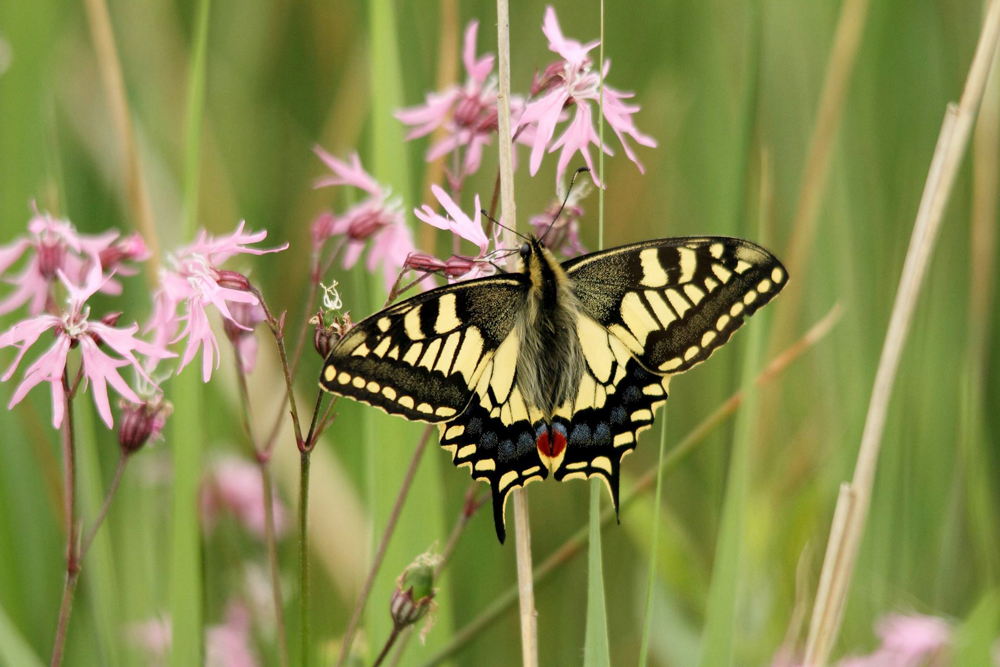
(500, 224)
(569, 191)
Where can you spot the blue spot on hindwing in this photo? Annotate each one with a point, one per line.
(580, 435)
(507, 451)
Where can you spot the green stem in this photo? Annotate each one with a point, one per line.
(388, 646)
(304, 558)
(263, 459)
(72, 555)
(648, 624)
(115, 481)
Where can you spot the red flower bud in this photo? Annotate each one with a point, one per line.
(141, 422)
(232, 280)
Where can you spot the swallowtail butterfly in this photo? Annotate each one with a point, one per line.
(556, 368)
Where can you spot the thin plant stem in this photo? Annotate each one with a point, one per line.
(851, 512)
(393, 636)
(103, 513)
(390, 527)
(576, 543)
(304, 647)
(508, 212)
(72, 544)
(277, 332)
(270, 537)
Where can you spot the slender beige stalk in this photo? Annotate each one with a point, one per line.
(842, 550)
(114, 88)
(508, 213)
(843, 54)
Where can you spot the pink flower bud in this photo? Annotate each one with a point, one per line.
(232, 280)
(141, 422)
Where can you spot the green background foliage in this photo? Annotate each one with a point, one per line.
(730, 89)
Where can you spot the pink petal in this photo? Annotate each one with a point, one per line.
(478, 69)
(12, 252)
(347, 174)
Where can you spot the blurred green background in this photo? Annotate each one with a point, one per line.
(732, 91)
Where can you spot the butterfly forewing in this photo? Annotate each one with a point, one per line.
(672, 302)
(422, 358)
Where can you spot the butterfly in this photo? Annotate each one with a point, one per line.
(557, 367)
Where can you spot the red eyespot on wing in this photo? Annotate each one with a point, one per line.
(554, 445)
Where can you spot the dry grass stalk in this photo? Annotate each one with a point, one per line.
(853, 503)
(114, 87)
(522, 529)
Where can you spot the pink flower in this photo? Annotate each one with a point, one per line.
(229, 644)
(234, 485)
(462, 227)
(74, 329)
(907, 641)
(58, 246)
(195, 281)
(377, 218)
(468, 113)
(569, 82)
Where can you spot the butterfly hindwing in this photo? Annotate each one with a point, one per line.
(616, 401)
(674, 301)
(421, 358)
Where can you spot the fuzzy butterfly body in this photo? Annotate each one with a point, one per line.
(555, 368)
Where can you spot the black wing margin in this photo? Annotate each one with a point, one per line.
(674, 301)
(421, 358)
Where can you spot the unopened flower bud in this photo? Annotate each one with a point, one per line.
(129, 249)
(414, 594)
(232, 280)
(142, 422)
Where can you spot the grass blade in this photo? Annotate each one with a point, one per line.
(720, 621)
(186, 431)
(651, 581)
(596, 651)
(14, 650)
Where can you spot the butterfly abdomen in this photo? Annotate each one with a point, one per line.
(551, 362)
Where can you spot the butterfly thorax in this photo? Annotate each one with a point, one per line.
(551, 362)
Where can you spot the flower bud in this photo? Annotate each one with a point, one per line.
(129, 249)
(414, 594)
(326, 336)
(141, 422)
(232, 280)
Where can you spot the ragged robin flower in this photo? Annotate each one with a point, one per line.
(74, 329)
(194, 281)
(571, 82)
(468, 112)
(378, 219)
